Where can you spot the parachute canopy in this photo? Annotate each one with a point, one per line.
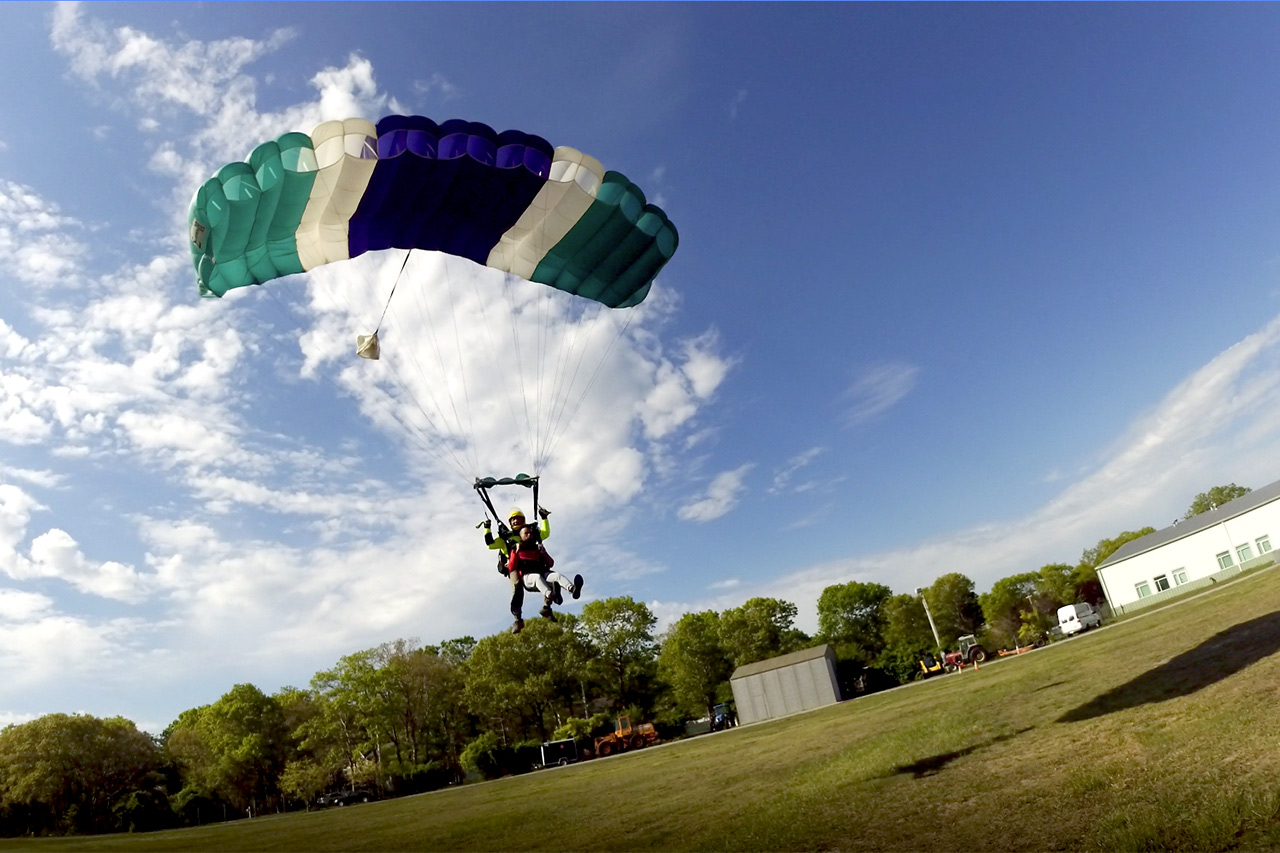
(505, 200)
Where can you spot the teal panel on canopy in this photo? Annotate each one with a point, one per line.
(616, 248)
(244, 219)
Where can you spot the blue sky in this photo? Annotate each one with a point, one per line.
(960, 288)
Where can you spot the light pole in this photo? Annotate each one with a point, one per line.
(933, 627)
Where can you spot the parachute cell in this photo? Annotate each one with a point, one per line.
(507, 200)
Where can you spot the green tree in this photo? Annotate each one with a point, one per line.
(297, 706)
(906, 624)
(400, 704)
(76, 773)
(852, 617)
(441, 723)
(234, 748)
(1004, 607)
(456, 652)
(304, 780)
(694, 663)
(1056, 585)
(761, 628)
(1098, 554)
(621, 632)
(525, 680)
(955, 607)
(1214, 498)
(907, 636)
(484, 755)
(335, 737)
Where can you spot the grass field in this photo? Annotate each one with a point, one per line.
(1162, 732)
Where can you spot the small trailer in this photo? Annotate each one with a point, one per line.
(559, 752)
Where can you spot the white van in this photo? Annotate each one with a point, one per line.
(1074, 618)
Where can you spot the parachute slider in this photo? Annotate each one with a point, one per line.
(518, 480)
(367, 346)
(484, 484)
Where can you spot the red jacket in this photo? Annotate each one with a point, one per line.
(530, 562)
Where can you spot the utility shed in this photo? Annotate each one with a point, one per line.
(786, 684)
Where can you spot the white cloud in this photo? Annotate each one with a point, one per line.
(739, 98)
(19, 606)
(36, 241)
(438, 83)
(722, 495)
(12, 344)
(208, 80)
(681, 387)
(16, 509)
(45, 479)
(54, 554)
(52, 648)
(782, 479)
(190, 74)
(877, 389)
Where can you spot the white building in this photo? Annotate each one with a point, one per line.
(1194, 552)
(786, 684)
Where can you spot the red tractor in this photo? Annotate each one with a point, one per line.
(970, 652)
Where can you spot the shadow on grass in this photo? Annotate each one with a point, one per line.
(1047, 686)
(1220, 656)
(936, 763)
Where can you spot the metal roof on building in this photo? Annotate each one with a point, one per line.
(783, 660)
(1186, 527)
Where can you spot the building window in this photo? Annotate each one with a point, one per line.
(1162, 583)
(1224, 560)
(1179, 576)
(1264, 544)
(1244, 553)
(1143, 588)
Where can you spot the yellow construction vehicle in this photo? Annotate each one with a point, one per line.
(625, 737)
(931, 665)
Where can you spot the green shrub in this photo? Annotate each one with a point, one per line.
(483, 756)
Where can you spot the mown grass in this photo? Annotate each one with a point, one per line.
(1157, 733)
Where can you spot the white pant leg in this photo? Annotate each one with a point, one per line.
(538, 583)
(565, 583)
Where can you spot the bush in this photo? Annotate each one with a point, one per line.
(901, 664)
(483, 756)
(196, 806)
(418, 778)
(487, 756)
(144, 811)
(578, 728)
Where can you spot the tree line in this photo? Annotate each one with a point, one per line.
(402, 717)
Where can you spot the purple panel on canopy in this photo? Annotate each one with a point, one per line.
(479, 201)
(405, 146)
(456, 187)
(522, 167)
